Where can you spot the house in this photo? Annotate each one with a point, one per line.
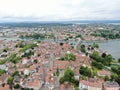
(66, 87)
(26, 72)
(41, 72)
(32, 69)
(3, 79)
(111, 86)
(4, 67)
(62, 65)
(33, 83)
(24, 61)
(6, 87)
(77, 74)
(49, 80)
(104, 73)
(91, 84)
(16, 79)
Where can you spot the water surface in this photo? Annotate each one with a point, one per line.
(111, 46)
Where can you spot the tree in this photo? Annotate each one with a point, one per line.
(35, 61)
(14, 58)
(104, 55)
(2, 72)
(85, 71)
(79, 36)
(77, 88)
(17, 86)
(68, 77)
(3, 61)
(82, 48)
(10, 82)
(119, 60)
(108, 59)
(113, 77)
(104, 59)
(95, 45)
(70, 56)
(94, 72)
(61, 80)
(5, 49)
(98, 65)
(106, 78)
(118, 80)
(16, 73)
(57, 72)
(95, 55)
(114, 69)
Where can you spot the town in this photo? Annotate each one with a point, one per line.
(52, 56)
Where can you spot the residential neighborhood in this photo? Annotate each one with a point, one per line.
(55, 58)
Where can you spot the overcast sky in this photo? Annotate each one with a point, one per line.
(53, 10)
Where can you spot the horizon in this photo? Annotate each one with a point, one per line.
(66, 21)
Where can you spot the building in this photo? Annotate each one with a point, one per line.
(92, 84)
(111, 86)
(104, 73)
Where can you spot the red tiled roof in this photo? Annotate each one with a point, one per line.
(34, 83)
(104, 72)
(32, 67)
(41, 70)
(66, 87)
(60, 64)
(6, 87)
(91, 83)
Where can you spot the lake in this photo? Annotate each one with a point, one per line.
(111, 46)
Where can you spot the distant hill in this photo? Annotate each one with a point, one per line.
(55, 23)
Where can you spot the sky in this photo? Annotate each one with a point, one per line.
(59, 10)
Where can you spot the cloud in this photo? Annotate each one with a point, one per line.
(50, 10)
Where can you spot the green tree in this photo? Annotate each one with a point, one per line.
(17, 86)
(106, 78)
(105, 60)
(2, 72)
(82, 48)
(108, 59)
(85, 71)
(77, 88)
(61, 80)
(70, 56)
(95, 55)
(95, 45)
(16, 73)
(57, 72)
(10, 82)
(114, 69)
(14, 58)
(98, 65)
(113, 77)
(119, 60)
(68, 77)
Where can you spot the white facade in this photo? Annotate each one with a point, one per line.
(86, 87)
